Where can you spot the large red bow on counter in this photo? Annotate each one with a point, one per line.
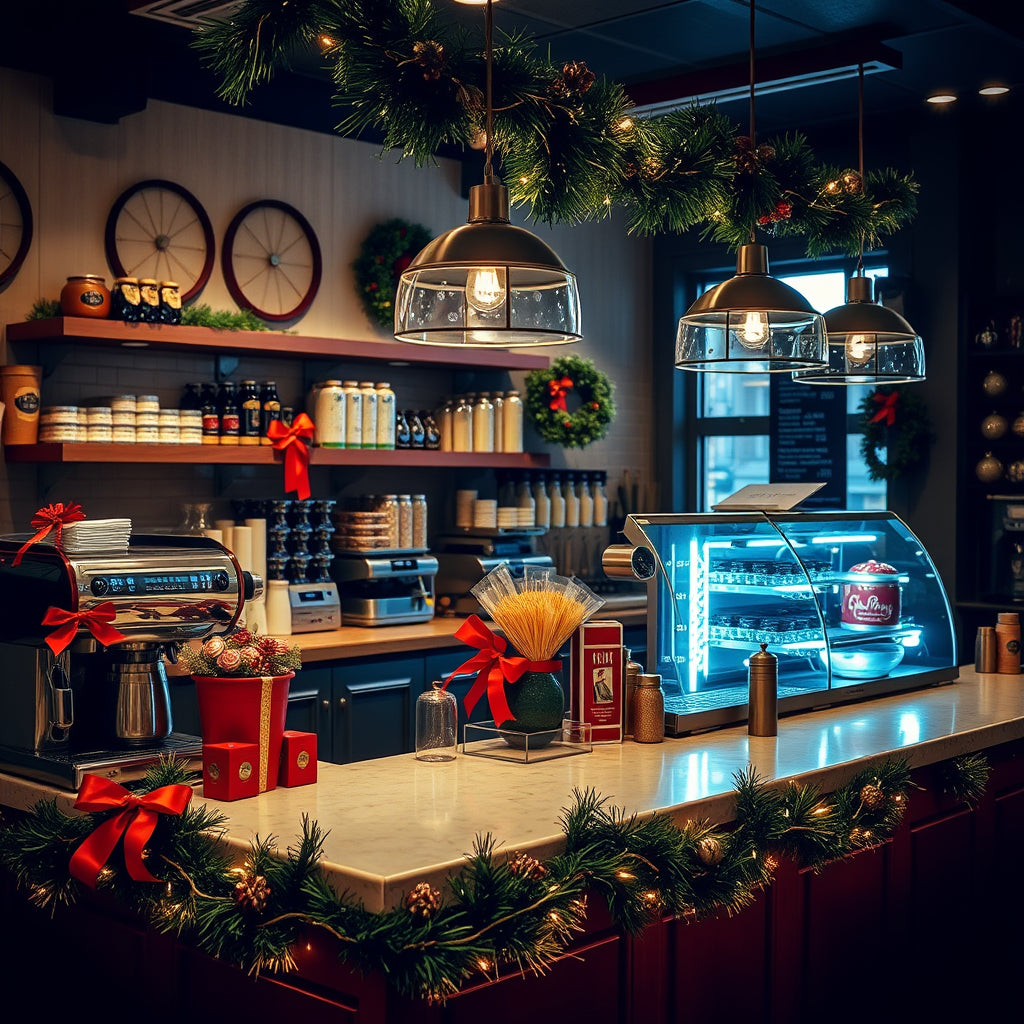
(492, 668)
(558, 389)
(54, 516)
(136, 822)
(294, 441)
(97, 620)
(888, 405)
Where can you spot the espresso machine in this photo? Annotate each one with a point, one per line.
(385, 589)
(95, 709)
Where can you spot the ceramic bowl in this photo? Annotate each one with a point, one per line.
(869, 661)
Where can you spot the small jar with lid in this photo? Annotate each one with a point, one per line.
(648, 709)
(125, 301)
(512, 422)
(85, 295)
(419, 522)
(483, 423)
(170, 302)
(149, 295)
(353, 414)
(329, 415)
(369, 414)
(405, 535)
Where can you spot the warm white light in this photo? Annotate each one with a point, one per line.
(942, 97)
(485, 288)
(754, 332)
(994, 90)
(859, 349)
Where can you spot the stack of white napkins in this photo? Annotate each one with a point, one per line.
(95, 536)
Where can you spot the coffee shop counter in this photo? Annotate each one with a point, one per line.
(395, 821)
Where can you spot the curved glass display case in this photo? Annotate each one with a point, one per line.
(850, 603)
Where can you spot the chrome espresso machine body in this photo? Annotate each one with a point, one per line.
(385, 588)
(105, 710)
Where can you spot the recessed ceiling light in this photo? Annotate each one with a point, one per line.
(994, 90)
(942, 97)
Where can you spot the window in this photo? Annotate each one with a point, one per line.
(733, 409)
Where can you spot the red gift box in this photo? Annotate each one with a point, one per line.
(598, 679)
(298, 758)
(231, 770)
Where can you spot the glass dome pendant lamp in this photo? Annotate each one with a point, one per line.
(487, 283)
(868, 343)
(751, 323)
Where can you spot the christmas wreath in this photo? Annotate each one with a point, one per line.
(570, 380)
(386, 252)
(897, 421)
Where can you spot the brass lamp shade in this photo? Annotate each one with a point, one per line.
(868, 343)
(751, 323)
(487, 283)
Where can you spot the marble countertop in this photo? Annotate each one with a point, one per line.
(395, 821)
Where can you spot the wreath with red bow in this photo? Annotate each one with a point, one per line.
(386, 252)
(896, 421)
(570, 403)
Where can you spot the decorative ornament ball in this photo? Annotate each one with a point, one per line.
(1015, 471)
(994, 383)
(993, 426)
(989, 469)
(1018, 425)
(872, 797)
(709, 849)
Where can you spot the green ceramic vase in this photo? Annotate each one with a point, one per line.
(537, 704)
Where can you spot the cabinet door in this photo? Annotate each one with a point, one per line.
(441, 666)
(373, 707)
(303, 712)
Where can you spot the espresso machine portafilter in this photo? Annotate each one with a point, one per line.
(165, 590)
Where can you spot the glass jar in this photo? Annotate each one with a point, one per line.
(388, 503)
(385, 416)
(149, 304)
(170, 302)
(483, 424)
(462, 424)
(444, 423)
(329, 415)
(512, 422)
(369, 390)
(419, 522)
(85, 295)
(353, 414)
(125, 300)
(498, 401)
(436, 724)
(405, 535)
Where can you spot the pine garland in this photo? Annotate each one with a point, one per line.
(499, 912)
(202, 315)
(564, 138)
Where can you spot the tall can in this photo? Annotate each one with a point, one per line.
(385, 416)
(369, 414)
(329, 416)
(353, 414)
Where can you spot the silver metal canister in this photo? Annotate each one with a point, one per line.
(763, 696)
(985, 646)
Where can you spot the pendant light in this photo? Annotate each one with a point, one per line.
(487, 283)
(751, 323)
(868, 343)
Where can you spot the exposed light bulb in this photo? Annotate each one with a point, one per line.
(859, 349)
(754, 331)
(485, 288)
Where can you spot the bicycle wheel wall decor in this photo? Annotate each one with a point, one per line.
(15, 225)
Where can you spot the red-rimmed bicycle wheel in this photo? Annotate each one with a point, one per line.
(15, 225)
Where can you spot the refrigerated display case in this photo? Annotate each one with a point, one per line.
(850, 603)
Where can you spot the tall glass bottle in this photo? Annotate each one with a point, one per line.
(270, 409)
(369, 436)
(572, 501)
(541, 501)
(525, 503)
(483, 423)
(586, 500)
(353, 414)
(462, 424)
(600, 498)
(445, 414)
(227, 409)
(512, 422)
(211, 415)
(557, 501)
(385, 416)
(498, 401)
(249, 412)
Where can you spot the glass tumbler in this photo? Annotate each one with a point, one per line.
(436, 718)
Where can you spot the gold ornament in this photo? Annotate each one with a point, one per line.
(989, 469)
(853, 183)
(1015, 471)
(709, 850)
(1018, 425)
(872, 797)
(430, 56)
(529, 867)
(994, 383)
(423, 901)
(993, 426)
(252, 892)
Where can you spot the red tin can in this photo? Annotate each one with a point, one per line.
(868, 606)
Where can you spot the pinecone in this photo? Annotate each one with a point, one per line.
(872, 797)
(252, 892)
(430, 56)
(709, 850)
(527, 866)
(423, 901)
(747, 157)
(575, 80)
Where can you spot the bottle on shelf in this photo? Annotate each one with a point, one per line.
(445, 413)
(228, 411)
(541, 501)
(586, 500)
(417, 431)
(506, 490)
(353, 414)
(572, 501)
(211, 415)
(369, 432)
(557, 501)
(600, 481)
(270, 409)
(431, 433)
(403, 435)
(462, 424)
(512, 422)
(192, 398)
(385, 416)
(483, 423)
(329, 415)
(525, 503)
(249, 412)
(419, 522)
(498, 401)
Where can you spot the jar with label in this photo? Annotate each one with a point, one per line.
(19, 391)
(483, 424)
(369, 433)
(419, 522)
(149, 296)
(170, 302)
(329, 415)
(230, 415)
(385, 416)
(270, 409)
(211, 415)
(249, 408)
(417, 431)
(85, 295)
(462, 424)
(512, 422)
(125, 302)
(405, 521)
(353, 414)
(498, 401)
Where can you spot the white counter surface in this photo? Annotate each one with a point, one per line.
(396, 821)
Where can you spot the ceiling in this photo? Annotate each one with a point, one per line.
(108, 61)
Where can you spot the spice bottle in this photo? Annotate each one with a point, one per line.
(270, 409)
(1008, 643)
(985, 649)
(227, 409)
(763, 697)
(633, 670)
(249, 411)
(211, 415)
(648, 709)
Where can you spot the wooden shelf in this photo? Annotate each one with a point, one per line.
(114, 333)
(264, 456)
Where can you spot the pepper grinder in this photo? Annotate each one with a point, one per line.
(763, 697)
(648, 709)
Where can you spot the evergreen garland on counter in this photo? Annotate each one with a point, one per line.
(564, 138)
(500, 912)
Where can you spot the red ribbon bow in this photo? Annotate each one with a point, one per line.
(97, 620)
(492, 668)
(294, 441)
(558, 389)
(49, 517)
(888, 405)
(136, 821)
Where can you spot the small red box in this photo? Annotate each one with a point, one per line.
(231, 770)
(298, 758)
(598, 679)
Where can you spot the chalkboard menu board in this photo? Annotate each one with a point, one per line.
(808, 432)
